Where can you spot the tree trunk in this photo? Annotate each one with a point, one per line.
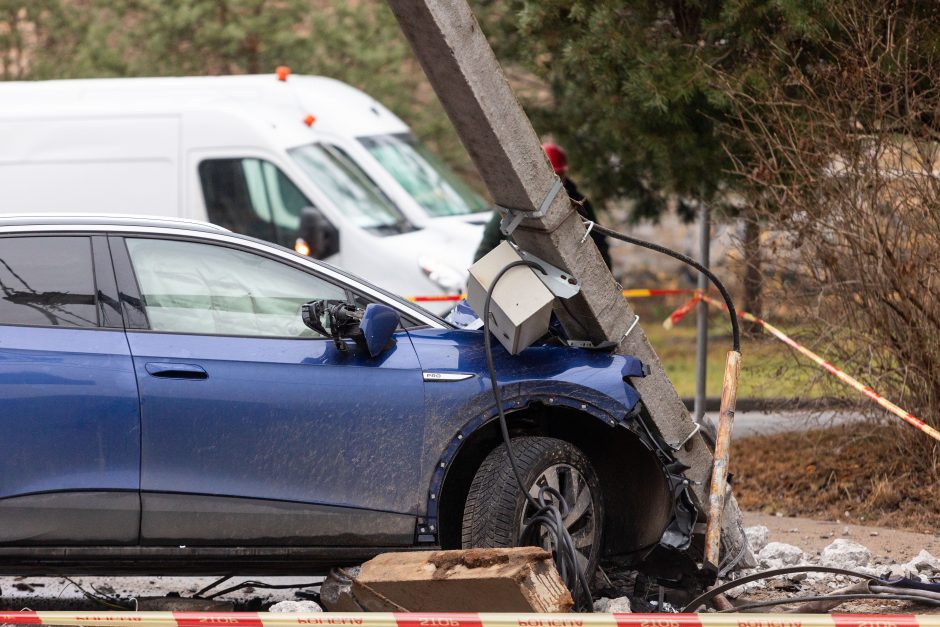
(753, 278)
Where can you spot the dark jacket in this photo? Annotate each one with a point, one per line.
(492, 236)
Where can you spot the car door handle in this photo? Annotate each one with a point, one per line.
(167, 370)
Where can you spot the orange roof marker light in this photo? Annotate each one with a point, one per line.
(309, 119)
(282, 72)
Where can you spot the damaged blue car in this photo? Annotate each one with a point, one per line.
(167, 408)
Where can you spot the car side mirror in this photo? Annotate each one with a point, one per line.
(379, 323)
(316, 237)
(372, 327)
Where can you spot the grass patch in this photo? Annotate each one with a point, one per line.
(769, 369)
(854, 473)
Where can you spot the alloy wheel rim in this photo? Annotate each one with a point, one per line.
(580, 521)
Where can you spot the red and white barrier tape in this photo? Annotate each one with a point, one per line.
(642, 293)
(380, 619)
(681, 312)
(849, 380)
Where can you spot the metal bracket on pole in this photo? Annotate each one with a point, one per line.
(604, 345)
(678, 445)
(559, 282)
(512, 217)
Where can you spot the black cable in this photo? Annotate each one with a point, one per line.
(263, 586)
(735, 331)
(547, 515)
(113, 604)
(212, 585)
(708, 595)
(898, 589)
(832, 597)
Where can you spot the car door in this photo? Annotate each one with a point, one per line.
(70, 451)
(255, 430)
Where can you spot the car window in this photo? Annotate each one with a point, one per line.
(253, 197)
(47, 281)
(190, 287)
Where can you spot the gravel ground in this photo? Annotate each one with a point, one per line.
(59, 593)
(808, 539)
(813, 535)
(875, 550)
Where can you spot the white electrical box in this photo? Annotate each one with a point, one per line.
(521, 308)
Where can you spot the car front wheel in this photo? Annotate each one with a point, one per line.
(496, 508)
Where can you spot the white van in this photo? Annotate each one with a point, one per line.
(307, 162)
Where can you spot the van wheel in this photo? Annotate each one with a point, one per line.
(495, 508)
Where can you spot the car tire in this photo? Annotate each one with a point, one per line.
(495, 506)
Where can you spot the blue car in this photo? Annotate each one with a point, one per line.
(165, 408)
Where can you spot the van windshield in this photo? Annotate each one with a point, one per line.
(350, 189)
(425, 177)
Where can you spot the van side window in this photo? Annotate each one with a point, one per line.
(253, 197)
(47, 282)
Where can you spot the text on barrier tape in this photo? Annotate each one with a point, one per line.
(849, 380)
(383, 619)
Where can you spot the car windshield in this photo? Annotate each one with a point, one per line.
(424, 176)
(350, 189)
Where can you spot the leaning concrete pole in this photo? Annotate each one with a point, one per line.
(470, 84)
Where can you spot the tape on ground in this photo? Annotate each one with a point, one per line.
(377, 619)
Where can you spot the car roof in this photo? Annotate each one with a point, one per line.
(65, 220)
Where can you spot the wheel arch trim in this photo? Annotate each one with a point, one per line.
(588, 403)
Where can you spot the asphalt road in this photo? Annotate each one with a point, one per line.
(766, 423)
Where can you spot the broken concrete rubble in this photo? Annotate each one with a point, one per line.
(294, 607)
(780, 554)
(757, 537)
(924, 562)
(336, 590)
(840, 553)
(612, 606)
(845, 554)
(520, 579)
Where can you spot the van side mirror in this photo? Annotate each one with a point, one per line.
(316, 237)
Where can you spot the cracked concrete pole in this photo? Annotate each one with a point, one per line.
(471, 86)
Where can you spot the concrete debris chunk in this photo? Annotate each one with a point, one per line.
(845, 554)
(520, 579)
(611, 606)
(779, 554)
(896, 571)
(757, 537)
(336, 590)
(295, 607)
(924, 562)
(742, 589)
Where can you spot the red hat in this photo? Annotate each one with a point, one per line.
(557, 157)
